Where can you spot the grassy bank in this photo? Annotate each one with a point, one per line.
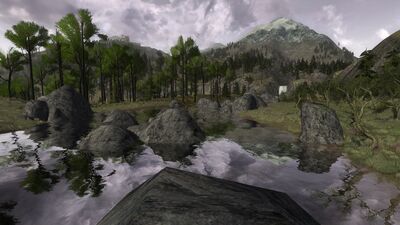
(11, 116)
(386, 159)
(142, 109)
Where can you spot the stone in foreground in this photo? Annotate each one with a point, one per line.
(320, 125)
(175, 197)
(172, 134)
(110, 140)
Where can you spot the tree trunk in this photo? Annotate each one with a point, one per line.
(396, 113)
(195, 87)
(31, 75)
(83, 67)
(60, 63)
(9, 83)
(103, 94)
(42, 87)
(111, 88)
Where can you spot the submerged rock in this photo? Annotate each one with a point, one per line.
(121, 118)
(317, 159)
(110, 140)
(320, 125)
(177, 197)
(37, 109)
(172, 134)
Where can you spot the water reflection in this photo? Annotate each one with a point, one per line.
(5, 217)
(318, 159)
(40, 179)
(82, 174)
(86, 188)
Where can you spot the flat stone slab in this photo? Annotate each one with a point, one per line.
(175, 197)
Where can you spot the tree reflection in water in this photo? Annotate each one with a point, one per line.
(347, 196)
(82, 174)
(39, 180)
(5, 209)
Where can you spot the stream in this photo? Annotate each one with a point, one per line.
(42, 184)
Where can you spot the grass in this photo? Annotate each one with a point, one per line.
(11, 116)
(386, 159)
(143, 110)
(219, 129)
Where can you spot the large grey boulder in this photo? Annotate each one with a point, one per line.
(69, 116)
(37, 109)
(175, 197)
(320, 125)
(120, 118)
(208, 111)
(110, 140)
(247, 102)
(172, 134)
(67, 105)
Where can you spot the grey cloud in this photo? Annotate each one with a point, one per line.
(158, 23)
(241, 13)
(42, 11)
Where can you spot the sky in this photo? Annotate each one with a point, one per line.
(355, 24)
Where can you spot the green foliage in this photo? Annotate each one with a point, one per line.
(13, 62)
(27, 35)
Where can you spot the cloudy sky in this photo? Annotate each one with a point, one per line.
(355, 24)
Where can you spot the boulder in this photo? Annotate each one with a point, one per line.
(226, 110)
(110, 140)
(320, 125)
(208, 111)
(120, 118)
(175, 104)
(67, 105)
(172, 134)
(177, 197)
(268, 98)
(37, 109)
(244, 103)
(69, 116)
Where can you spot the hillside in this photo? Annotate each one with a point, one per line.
(287, 39)
(378, 56)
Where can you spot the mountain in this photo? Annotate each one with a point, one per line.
(213, 46)
(378, 55)
(289, 40)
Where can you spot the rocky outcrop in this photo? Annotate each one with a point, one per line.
(208, 111)
(172, 133)
(69, 116)
(121, 119)
(320, 125)
(177, 197)
(247, 102)
(37, 109)
(110, 140)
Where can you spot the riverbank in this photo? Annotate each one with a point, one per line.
(12, 116)
(386, 159)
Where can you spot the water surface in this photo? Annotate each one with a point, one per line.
(49, 185)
